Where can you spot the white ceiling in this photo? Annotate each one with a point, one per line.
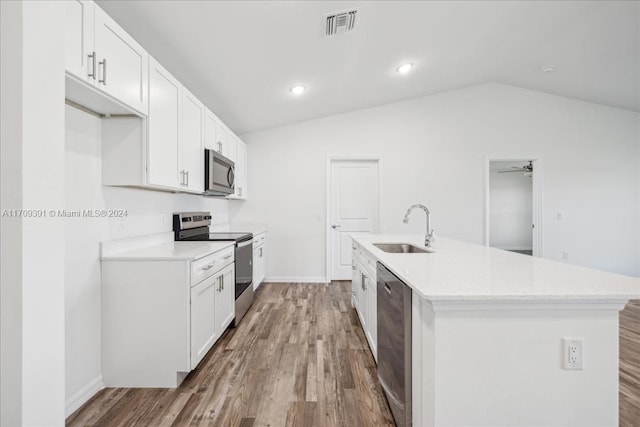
(241, 57)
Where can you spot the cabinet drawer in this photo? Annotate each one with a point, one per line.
(210, 264)
(258, 240)
(367, 264)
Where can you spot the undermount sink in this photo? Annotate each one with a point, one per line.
(401, 248)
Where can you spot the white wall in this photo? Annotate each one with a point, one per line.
(510, 207)
(149, 212)
(42, 237)
(433, 151)
(10, 227)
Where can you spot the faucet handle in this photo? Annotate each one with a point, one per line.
(430, 238)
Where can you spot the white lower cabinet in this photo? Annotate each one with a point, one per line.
(203, 318)
(161, 317)
(365, 298)
(259, 259)
(225, 298)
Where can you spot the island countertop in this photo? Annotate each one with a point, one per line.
(457, 271)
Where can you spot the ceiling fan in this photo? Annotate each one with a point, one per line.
(526, 170)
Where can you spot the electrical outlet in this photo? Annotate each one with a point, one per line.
(573, 353)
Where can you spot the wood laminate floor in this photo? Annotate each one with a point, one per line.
(630, 365)
(298, 358)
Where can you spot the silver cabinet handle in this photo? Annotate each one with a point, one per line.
(187, 184)
(182, 179)
(228, 256)
(222, 280)
(92, 57)
(336, 226)
(104, 71)
(260, 252)
(362, 282)
(219, 283)
(208, 266)
(219, 147)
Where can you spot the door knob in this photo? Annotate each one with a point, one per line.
(336, 226)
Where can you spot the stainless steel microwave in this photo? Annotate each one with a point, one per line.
(219, 174)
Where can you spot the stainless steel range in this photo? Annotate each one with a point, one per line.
(190, 226)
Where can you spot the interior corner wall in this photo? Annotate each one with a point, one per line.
(434, 150)
(10, 227)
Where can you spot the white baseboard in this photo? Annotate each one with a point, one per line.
(83, 395)
(293, 279)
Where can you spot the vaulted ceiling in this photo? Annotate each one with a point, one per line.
(241, 57)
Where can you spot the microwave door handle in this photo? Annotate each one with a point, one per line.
(231, 176)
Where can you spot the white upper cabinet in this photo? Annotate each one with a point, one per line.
(164, 123)
(79, 39)
(192, 153)
(210, 130)
(241, 170)
(122, 64)
(218, 137)
(99, 52)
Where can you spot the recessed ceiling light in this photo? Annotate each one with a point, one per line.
(405, 68)
(548, 69)
(297, 90)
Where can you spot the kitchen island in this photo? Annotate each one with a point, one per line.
(488, 331)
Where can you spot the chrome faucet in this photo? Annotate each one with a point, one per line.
(428, 239)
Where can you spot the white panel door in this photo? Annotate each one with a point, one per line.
(123, 65)
(164, 136)
(353, 209)
(192, 160)
(79, 38)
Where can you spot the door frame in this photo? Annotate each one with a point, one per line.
(536, 202)
(376, 225)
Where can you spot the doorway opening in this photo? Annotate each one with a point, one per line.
(353, 185)
(513, 205)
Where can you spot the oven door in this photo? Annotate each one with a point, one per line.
(219, 173)
(244, 266)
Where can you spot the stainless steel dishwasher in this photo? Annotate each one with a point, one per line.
(394, 343)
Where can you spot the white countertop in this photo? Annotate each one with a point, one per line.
(170, 251)
(249, 228)
(464, 271)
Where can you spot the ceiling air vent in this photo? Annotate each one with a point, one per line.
(340, 23)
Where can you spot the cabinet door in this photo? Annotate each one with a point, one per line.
(361, 298)
(230, 146)
(210, 130)
(192, 153)
(123, 65)
(225, 298)
(164, 124)
(372, 315)
(263, 263)
(80, 58)
(241, 170)
(258, 265)
(203, 318)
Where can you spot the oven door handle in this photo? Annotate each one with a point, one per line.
(246, 243)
